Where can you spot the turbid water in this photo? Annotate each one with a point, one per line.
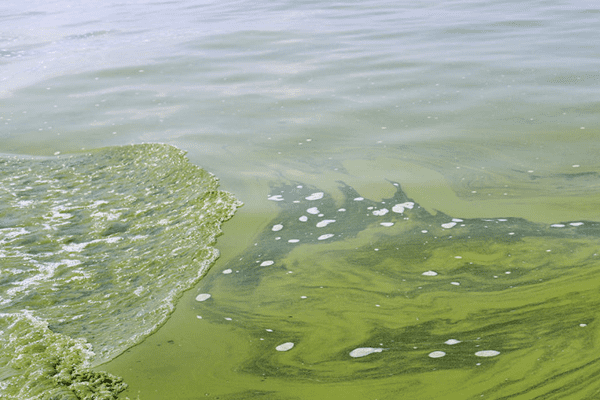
(482, 116)
(381, 299)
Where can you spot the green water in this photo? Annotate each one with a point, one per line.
(478, 110)
(96, 249)
(428, 291)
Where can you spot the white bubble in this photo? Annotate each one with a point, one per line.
(277, 228)
(423, 231)
(315, 196)
(458, 257)
(387, 224)
(325, 222)
(228, 319)
(576, 223)
(342, 210)
(381, 212)
(557, 226)
(359, 199)
(437, 354)
(365, 351)
(303, 218)
(487, 353)
(399, 208)
(293, 240)
(285, 346)
(276, 197)
(448, 225)
(583, 325)
(452, 341)
(303, 297)
(267, 263)
(455, 283)
(326, 236)
(313, 210)
(203, 297)
(429, 273)
(228, 271)
(459, 220)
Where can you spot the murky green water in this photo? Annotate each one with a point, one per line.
(485, 112)
(383, 300)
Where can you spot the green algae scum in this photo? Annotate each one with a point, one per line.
(363, 299)
(342, 298)
(95, 250)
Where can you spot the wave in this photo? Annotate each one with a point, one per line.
(96, 249)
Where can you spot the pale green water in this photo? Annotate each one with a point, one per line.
(479, 110)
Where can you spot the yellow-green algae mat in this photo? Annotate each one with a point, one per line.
(95, 249)
(383, 300)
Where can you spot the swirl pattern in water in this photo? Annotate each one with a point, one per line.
(96, 246)
(386, 298)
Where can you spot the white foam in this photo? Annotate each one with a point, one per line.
(452, 341)
(313, 210)
(326, 236)
(487, 353)
(276, 197)
(203, 297)
(399, 208)
(315, 196)
(285, 346)
(228, 271)
(381, 212)
(74, 247)
(448, 225)
(267, 263)
(277, 228)
(437, 354)
(429, 273)
(303, 218)
(365, 351)
(325, 222)
(386, 224)
(24, 203)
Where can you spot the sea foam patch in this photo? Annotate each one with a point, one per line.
(325, 222)
(487, 353)
(285, 346)
(315, 196)
(203, 297)
(365, 351)
(437, 354)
